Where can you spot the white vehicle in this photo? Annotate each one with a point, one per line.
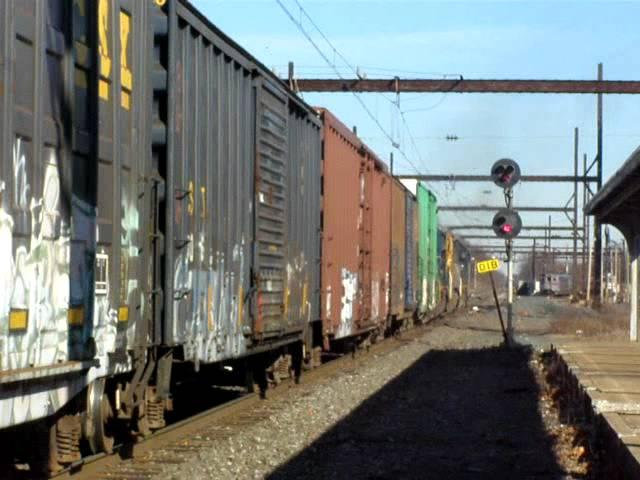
(556, 283)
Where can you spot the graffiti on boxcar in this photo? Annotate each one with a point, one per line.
(50, 220)
(387, 292)
(297, 305)
(130, 225)
(6, 275)
(213, 329)
(36, 279)
(350, 292)
(182, 275)
(375, 299)
(327, 307)
(24, 401)
(21, 180)
(106, 317)
(305, 306)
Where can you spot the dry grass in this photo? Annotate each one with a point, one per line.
(610, 320)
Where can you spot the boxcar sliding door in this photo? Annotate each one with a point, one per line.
(270, 228)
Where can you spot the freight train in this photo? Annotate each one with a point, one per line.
(168, 204)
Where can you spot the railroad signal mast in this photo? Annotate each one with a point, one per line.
(507, 224)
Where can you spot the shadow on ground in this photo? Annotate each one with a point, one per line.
(453, 414)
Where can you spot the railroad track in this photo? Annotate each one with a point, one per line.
(147, 457)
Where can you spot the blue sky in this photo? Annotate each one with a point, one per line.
(504, 39)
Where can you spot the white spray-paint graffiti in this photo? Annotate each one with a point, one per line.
(130, 226)
(106, 317)
(182, 281)
(6, 278)
(298, 290)
(375, 300)
(37, 278)
(348, 300)
(387, 293)
(213, 331)
(21, 180)
(50, 270)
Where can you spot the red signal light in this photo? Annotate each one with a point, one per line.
(506, 223)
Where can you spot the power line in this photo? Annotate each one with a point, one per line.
(369, 69)
(335, 69)
(326, 59)
(371, 115)
(355, 71)
(512, 137)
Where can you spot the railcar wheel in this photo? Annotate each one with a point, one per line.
(98, 419)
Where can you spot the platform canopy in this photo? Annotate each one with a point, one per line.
(618, 202)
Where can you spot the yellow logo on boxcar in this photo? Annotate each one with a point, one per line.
(103, 49)
(126, 77)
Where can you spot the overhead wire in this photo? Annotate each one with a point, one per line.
(326, 59)
(370, 114)
(355, 71)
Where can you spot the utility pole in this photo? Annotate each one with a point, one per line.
(550, 260)
(597, 234)
(391, 277)
(607, 266)
(475, 277)
(509, 242)
(574, 272)
(507, 225)
(533, 265)
(585, 225)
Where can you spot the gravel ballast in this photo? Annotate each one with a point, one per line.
(300, 419)
(450, 403)
(446, 401)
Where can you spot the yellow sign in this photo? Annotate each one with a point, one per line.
(488, 266)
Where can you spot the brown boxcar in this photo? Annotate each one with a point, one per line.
(381, 242)
(398, 246)
(353, 283)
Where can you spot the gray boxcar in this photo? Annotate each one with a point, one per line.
(159, 201)
(240, 164)
(73, 124)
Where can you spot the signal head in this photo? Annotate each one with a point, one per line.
(505, 173)
(507, 223)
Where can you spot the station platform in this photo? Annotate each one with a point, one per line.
(599, 385)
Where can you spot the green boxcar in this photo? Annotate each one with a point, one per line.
(428, 289)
